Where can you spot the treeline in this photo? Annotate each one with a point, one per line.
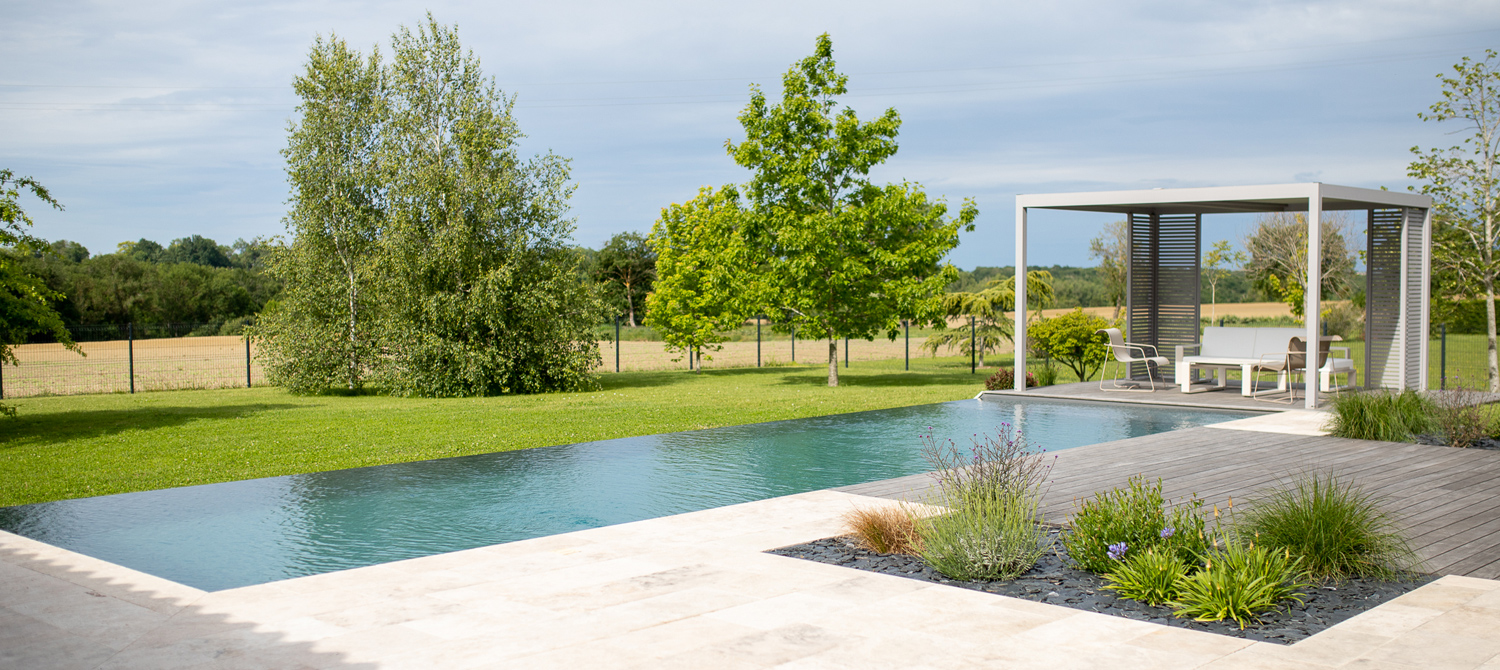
(191, 280)
(1086, 287)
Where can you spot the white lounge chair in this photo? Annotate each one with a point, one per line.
(1126, 353)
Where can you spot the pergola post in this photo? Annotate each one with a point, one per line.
(1312, 298)
(1020, 328)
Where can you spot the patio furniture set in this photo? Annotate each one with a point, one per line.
(1282, 351)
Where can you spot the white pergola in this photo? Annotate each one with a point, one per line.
(1162, 290)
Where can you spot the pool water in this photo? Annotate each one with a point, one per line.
(220, 536)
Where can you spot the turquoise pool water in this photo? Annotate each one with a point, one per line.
(220, 536)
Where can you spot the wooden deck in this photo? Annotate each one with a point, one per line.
(1170, 394)
(1448, 498)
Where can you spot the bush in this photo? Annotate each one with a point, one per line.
(1460, 415)
(887, 530)
(1239, 582)
(1045, 375)
(1150, 576)
(1004, 379)
(1074, 340)
(1134, 520)
(1344, 319)
(985, 538)
(1381, 415)
(1335, 529)
(994, 530)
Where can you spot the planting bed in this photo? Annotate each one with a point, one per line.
(1053, 581)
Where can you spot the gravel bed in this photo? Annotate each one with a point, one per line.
(1438, 441)
(1053, 581)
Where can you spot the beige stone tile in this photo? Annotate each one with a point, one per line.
(777, 612)
(474, 619)
(1388, 620)
(1333, 647)
(1438, 596)
(763, 649)
(370, 646)
(1431, 649)
(386, 613)
(60, 652)
(106, 620)
(1475, 583)
(1260, 656)
(1465, 621)
(1182, 641)
(1489, 600)
(671, 638)
(909, 650)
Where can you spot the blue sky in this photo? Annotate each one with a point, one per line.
(165, 119)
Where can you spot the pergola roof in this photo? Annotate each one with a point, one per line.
(1225, 199)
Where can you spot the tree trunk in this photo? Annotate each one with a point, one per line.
(833, 361)
(629, 307)
(1489, 314)
(353, 329)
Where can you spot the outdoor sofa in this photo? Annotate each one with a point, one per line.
(1223, 348)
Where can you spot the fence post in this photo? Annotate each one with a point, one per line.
(1443, 358)
(757, 340)
(247, 361)
(617, 343)
(906, 325)
(130, 351)
(973, 354)
(794, 344)
(846, 352)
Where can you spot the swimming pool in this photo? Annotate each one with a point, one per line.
(220, 536)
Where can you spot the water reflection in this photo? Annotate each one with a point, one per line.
(238, 533)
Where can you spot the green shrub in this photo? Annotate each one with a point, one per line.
(1335, 529)
(985, 538)
(1046, 375)
(1381, 415)
(1239, 582)
(1137, 518)
(1150, 576)
(1074, 340)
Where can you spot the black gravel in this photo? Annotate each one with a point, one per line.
(1438, 441)
(1053, 581)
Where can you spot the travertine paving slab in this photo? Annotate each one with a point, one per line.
(690, 591)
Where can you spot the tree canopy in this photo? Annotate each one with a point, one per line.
(626, 265)
(837, 256)
(26, 304)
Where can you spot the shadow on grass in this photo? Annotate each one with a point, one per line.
(47, 428)
(802, 375)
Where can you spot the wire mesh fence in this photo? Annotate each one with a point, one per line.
(129, 358)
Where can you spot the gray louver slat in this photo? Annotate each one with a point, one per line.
(1163, 293)
(1383, 270)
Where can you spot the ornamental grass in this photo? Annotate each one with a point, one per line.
(1335, 528)
(887, 530)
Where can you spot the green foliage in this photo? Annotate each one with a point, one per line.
(1086, 287)
(1137, 517)
(1046, 374)
(1465, 185)
(438, 260)
(704, 283)
(1112, 248)
(1239, 582)
(1381, 415)
(1335, 529)
(1151, 576)
(1073, 339)
(985, 539)
(26, 303)
(988, 307)
(1461, 416)
(1278, 257)
(1218, 261)
(626, 266)
(839, 256)
(994, 492)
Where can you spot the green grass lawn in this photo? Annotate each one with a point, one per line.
(77, 446)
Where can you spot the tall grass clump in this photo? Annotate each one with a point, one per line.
(1461, 417)
(1125, 521)
(1334, 528)
(993, 492)
(1240, 582)
(888, 530)
(1152, 576)
(1381, 415)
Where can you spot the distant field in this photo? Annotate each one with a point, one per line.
(160, 364)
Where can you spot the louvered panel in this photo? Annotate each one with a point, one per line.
(1411, 301)
(1164, 294)
(1383, 269)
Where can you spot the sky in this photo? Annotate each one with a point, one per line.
(166, 119)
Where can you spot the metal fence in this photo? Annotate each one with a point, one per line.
(130, 358)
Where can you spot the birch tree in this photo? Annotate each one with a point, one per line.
(1463, 183)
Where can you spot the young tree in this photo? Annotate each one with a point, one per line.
(988, 308)
(1220, 259)
(25, 301)
(841, 257)
(1465, 186)
(1278, 257)
(628, 265)
(1075, 340)
(480, 281)
(1112, 248)
(319, 334)
(705, 284)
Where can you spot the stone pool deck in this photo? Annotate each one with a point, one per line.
(687, 591)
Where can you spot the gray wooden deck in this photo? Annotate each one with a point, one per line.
(1169, 394)
(1448, 498)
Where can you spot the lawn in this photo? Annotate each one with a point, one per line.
(76, 446)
